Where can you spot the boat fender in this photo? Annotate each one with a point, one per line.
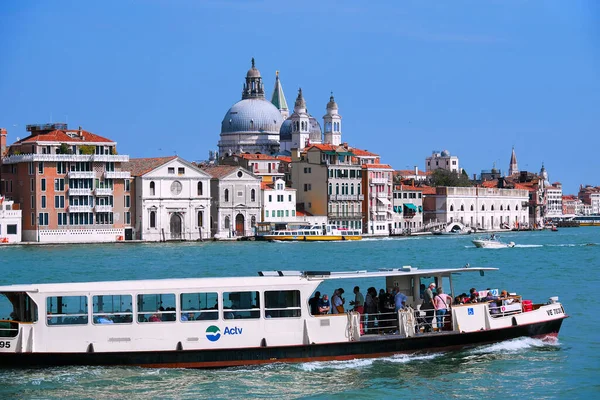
(90, 348)
(179, 346)
(514, 321)
(263, 342)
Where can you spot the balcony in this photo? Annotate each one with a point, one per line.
(383, 195)
(103, 192)
(18, 158)
(346, 197)
(379, 181)
(103, 208)
(344, 216)
(80, 191)
(80, 208)
(82, 175)
(117, 175)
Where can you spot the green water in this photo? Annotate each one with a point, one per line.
(564, 264)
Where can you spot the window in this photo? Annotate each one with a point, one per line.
(253, 195)
(152, 188)
(62, 219)
(226, 194)
(452, 208)
(43, 201)
(227, 223)
(31, 169)
(43, 184)
(483, 207)
(41, 167)
(61, 168)
(200, 189)
(59, 185)
(128, 217)
(127, 201)
(253, 221)
(181, 171)
(67, 310)
(127, 185)
(462, 207)
(152, 219)
(156, 307)
(289, 197)
(11, 229)
(282, 304)
(43, 219)
(32, 185)
(241, 305)
(112, 309)
(199, 306)
(200, 220)
(171, 170)
(472, 208)
(270, 198)
(240, 193)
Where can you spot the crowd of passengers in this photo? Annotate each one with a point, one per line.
(376, 305)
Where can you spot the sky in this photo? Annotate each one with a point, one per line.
(410, 77)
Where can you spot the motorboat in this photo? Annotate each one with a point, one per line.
(492, 242)
(237, 321)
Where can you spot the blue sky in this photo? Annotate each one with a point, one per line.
(410, 77)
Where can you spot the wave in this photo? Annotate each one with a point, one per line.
(364, 362)
(529, 245)
(516, 345)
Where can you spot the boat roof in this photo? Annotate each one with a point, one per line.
(264, 279)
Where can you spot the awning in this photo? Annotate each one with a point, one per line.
(398, 209)
(420, 208)
(384, 201)
(410, 206)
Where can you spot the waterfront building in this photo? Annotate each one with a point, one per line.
(411, 175)
(265, 166)
(442, 160)
(554, 196)
(590, 197)
(69, 185)
(10, 221)
(572, 205)
(377, 208)
(279, 202)
(480, 207)
(407, 205)
(328, 180)
(171, 199)
(236, 201)
(252, 124)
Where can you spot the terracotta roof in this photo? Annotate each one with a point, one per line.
(407, 172)
(323, 147)
(256, 157)
(141, 166)
(266, 185)
(490, 184)
(381, 166)
(285, 159)
(219, 171)
(428, 190)
(62, 137)
(409, 187)
(303, 214)
(360, 152)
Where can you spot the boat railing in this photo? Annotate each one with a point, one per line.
(8, 329)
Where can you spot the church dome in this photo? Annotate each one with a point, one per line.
(252, 115)
(315, 134)
(285, 132)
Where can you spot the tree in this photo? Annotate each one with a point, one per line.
(441, 177)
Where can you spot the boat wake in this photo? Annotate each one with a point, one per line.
(364, 362)
(529, 245)
(516, 345)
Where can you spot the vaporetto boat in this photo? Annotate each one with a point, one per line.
(314, 233)
(223, 322)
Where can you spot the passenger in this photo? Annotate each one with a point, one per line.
(474, 298)
(371, 305)
(359, 301)
(184, 317)
(324, 305)
(105, 319)
(428, 307)
(441, 303)
(155, 318)
(382, 298)
(399, 301)
(489, 296)
(314, 303)
(337, 302)
(421, 290)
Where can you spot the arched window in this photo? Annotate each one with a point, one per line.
(200, 218)
(153, 219)
(501, 207)
(337, 188)
(483, 207)
(462, 207)
(517, 207)
(152, 188)
(508, 207)
(472, 208)
(358, 189)
(253, 195)
(452, 207)
(199, 188)
(352, 188)
(226, 194)
(330, 188)
(492, 207)
(227, 223)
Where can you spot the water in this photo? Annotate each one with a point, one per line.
(543, 264)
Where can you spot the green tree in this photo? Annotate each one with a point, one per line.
(441, 177)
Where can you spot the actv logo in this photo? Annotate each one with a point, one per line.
(213, 333)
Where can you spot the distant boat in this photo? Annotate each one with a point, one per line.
(313, 234)
(492, 243)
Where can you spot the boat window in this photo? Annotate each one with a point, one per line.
(67, 310)
(156, 307)
(241, 305)
(15, 307)
(199, 306)
(282, 304)
(112, 309)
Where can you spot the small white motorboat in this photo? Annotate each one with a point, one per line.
(492, 243)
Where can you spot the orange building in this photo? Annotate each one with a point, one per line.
(69, 185)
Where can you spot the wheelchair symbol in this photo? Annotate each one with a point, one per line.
(470, 311)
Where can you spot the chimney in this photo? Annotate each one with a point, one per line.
(3, 134)
(474, 177)
(416, 170)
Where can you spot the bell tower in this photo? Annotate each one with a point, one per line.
(333, 123)
(300, 123)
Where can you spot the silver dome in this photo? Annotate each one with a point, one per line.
(315, 133)
(285, 132)
(252, 115)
